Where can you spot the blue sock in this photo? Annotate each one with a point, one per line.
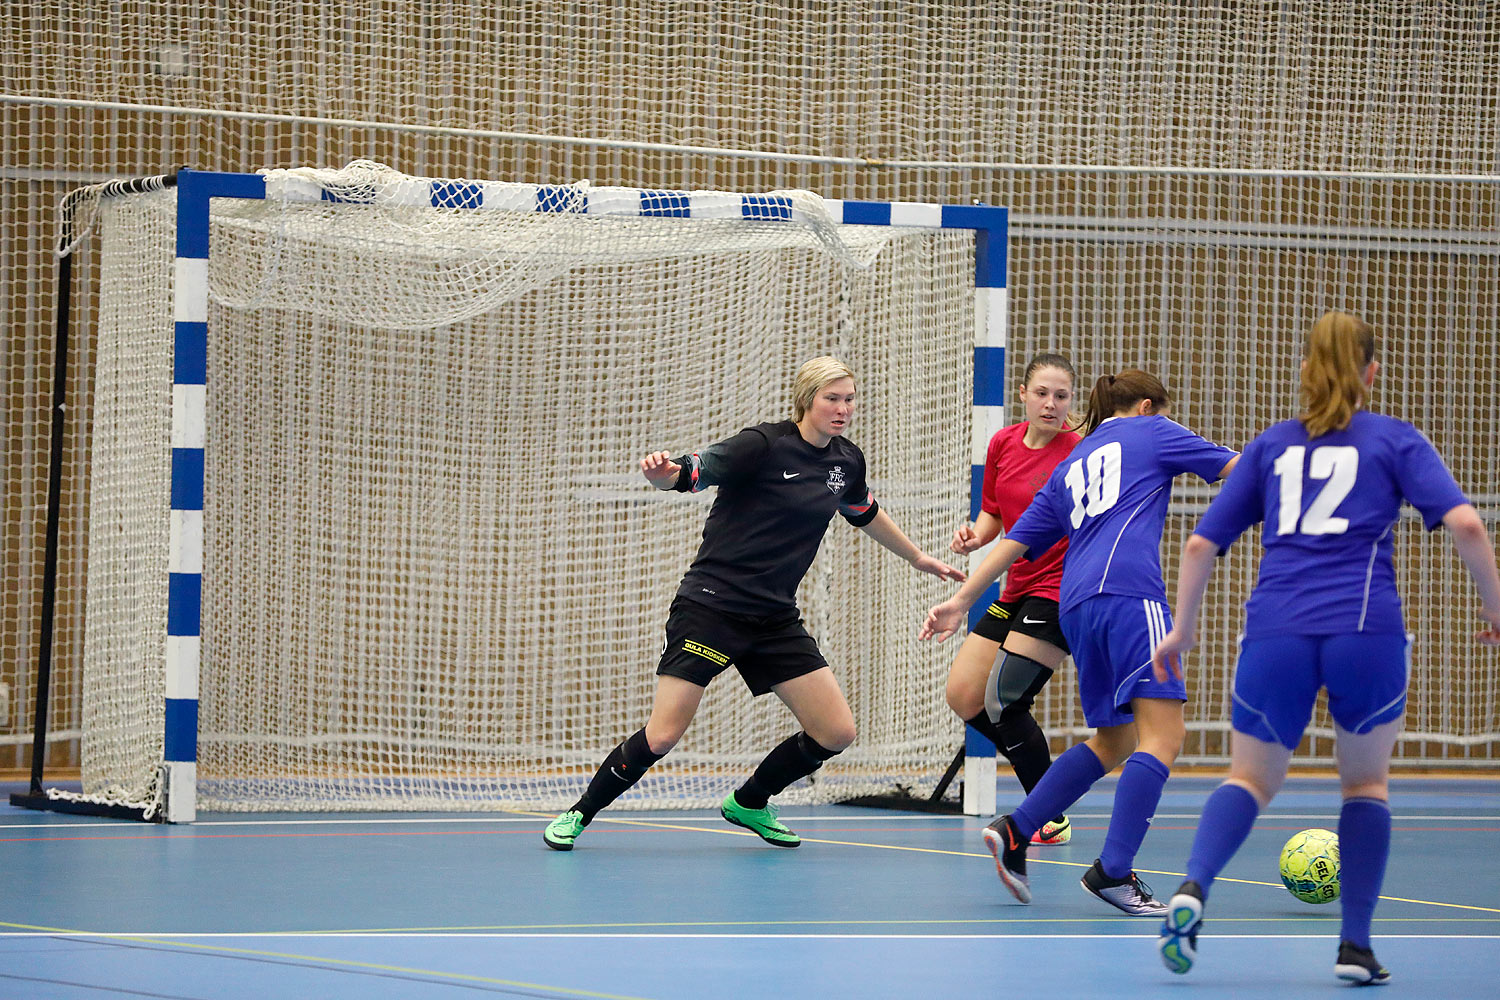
(1364, 846)
(1227, 818)
(1136, 796)
(1066, 780)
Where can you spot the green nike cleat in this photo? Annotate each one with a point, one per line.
(761, 822)
(561, 832)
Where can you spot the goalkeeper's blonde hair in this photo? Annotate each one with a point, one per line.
(813, 376)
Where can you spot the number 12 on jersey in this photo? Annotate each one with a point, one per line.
(1338, 465)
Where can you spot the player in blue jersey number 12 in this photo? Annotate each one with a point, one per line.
(1324, 614)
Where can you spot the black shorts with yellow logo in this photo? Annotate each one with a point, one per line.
(703, 641)
(1033, 616)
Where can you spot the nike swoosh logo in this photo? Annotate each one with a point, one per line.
(1010, 835)
(1027, 619)
(790, 475)
(1008, 749)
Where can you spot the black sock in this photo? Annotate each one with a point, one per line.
(795, 757)
(986, 728)
(1021, 741)
(625, 765)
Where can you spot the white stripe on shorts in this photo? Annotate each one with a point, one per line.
(1156, 631)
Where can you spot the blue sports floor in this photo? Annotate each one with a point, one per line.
(874, 904)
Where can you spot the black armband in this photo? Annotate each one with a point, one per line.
(684, 482)
(860, 515)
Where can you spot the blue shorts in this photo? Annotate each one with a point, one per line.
(1277, 680)
(1111, 638)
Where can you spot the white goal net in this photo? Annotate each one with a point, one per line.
(433, 577)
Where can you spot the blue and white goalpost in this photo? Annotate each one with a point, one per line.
(372, 614)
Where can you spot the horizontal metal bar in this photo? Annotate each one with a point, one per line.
(988, 166)
(1133, 223)
(1253, 241)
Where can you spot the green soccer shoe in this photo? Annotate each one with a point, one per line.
(761, 822)
(561, 832)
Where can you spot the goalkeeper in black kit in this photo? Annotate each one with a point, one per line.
(779, 485)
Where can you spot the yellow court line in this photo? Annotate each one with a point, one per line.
(1389, 899)
(323, 960)
(1430, 902)
(1040, 861)
(1147, 871)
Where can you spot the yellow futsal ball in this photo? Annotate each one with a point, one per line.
(1310, 866)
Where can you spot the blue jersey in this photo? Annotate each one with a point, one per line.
(1110, 498)
(1329, 508)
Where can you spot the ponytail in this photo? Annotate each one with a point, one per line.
(1100, 406)
(1339, 349)
(1113, 393)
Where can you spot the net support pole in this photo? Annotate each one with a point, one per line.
(35, 797)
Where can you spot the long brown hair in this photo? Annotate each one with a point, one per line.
(1339, 349)
(1113, 393)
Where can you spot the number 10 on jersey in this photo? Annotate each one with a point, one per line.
(1095, 482)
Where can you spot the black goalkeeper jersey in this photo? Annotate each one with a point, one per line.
(777, 494)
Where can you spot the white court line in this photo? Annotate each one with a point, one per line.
(623, 816)
(299, 935)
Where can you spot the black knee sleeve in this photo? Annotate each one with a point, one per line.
(1025, 745)
(1017, 725)
(1018, 739)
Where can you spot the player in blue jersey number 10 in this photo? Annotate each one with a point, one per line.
(1324, 614)
(1109, 498)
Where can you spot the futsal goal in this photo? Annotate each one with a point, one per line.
(365, 527)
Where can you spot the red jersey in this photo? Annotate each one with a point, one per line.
(1012, 475)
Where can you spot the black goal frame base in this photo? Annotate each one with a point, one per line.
(905, 800)
(40, 800)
